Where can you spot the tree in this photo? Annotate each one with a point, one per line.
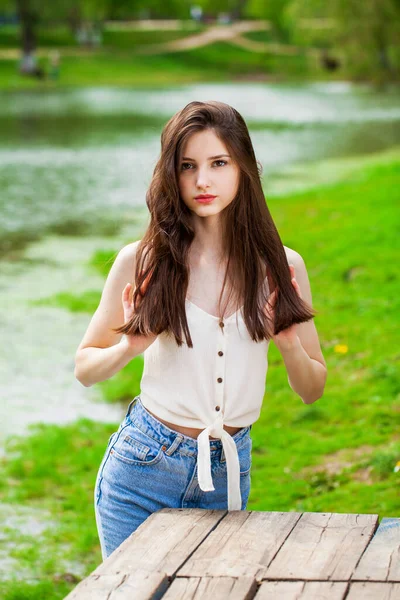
(366, 32)
(32, 13)
(273, 11)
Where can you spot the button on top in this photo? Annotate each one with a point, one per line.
(217, 408)
(221, 324)
(220, 353)
(219, 379)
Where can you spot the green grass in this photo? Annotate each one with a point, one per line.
(335, 455)
(347, 238)
(86, 302)
(54, 469)
(264, 35)
(47, 37)
(102, 261)
(220, 61)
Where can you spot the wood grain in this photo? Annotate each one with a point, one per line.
(217, 588)
(323, 546)
(163, 542)
(374, 591)
(301, 590)
(381, 560)
(243, 544)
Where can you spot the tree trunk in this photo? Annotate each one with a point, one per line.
(237, 12)
(28, 19)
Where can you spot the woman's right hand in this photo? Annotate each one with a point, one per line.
(129, 309)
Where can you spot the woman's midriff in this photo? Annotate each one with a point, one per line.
(192, 432)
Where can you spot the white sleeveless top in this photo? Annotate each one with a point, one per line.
(221, 380)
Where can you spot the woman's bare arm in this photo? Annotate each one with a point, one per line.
(102, 352)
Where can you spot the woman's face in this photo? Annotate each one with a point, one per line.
(208, 178)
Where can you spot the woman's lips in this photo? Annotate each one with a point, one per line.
(204, 199)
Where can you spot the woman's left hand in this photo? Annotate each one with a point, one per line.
(288, 336)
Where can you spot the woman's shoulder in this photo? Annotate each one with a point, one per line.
(125, 261)
(292, 256)
(128, 252)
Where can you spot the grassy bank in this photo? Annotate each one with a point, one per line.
(216, 62)
(336, 455)
(121, 61)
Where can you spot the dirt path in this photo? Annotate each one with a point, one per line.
(215, 33)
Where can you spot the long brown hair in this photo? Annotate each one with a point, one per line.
(251, 243)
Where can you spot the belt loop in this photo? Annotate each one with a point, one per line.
(222, 459)
(130, 405)
(174, 445)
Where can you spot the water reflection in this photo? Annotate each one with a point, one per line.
(291, 103)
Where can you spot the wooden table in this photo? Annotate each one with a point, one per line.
(177, 554)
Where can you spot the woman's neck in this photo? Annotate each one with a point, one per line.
(207, 246)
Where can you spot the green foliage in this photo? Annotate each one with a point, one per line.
(213, 9)
(362, 34)
(147, 9)
(273, 11)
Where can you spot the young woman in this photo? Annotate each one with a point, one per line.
(203, 293)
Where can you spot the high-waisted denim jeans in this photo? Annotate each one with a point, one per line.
(147, 466)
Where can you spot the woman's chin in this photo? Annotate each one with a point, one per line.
(206, 210)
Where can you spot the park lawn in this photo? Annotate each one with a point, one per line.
(219, 61)
(336, 455)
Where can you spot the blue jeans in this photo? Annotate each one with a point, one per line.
(147, 466)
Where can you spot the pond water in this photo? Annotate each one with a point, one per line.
(74, 169)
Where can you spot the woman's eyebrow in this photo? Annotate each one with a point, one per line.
(209, 158)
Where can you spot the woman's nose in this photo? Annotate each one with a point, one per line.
(202, 178)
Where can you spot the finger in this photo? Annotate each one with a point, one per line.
(126, 293)
(297, 287)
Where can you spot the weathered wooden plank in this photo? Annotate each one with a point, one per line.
(302, 590)
(373, 591)
(146, 587)
(163, 542)
(120, 587)
(243, 544)
(217, 588)
(381, 560)
(96, 587)
(323, 546)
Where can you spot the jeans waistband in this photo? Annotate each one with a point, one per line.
(158, 431)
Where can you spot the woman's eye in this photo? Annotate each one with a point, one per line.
(188, 166)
